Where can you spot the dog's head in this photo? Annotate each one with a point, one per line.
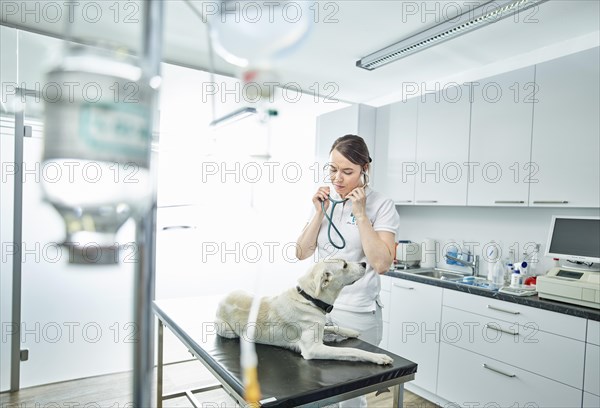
(327, 278)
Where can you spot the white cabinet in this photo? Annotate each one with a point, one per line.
(355, 119)
(414, 328)
(566, 132)
(500, 147)
(467, 377)
(385, 295)
(530, 137)
(516, 344)
(396, 167)
(591, 383)
(443, 147)
(509, 354)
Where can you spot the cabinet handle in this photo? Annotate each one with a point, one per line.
(403, 201)
(508, 202)
(500, 329)
(404, 287)
(426, 201)
(551, 202)
(174, 227)
(498, 371)
(503, 310)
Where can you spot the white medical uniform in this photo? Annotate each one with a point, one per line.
(358, 306)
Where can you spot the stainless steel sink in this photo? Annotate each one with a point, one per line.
(451, 276)
(437, 274)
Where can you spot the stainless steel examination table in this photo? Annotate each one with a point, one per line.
(286, 379)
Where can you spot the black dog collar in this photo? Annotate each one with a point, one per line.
(326, 307)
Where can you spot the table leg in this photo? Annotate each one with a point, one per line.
(159, 367)
(398, 395)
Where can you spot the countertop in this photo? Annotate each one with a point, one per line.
(533, 301)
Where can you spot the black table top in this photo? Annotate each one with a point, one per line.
(286, 378)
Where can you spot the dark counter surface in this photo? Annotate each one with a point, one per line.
(533, 301)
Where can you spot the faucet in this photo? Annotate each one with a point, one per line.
(473, 265)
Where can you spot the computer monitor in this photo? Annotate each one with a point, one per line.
(574, 238)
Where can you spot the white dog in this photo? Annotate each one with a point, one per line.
(295, 319)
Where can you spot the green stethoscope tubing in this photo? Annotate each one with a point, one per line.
(331, 224)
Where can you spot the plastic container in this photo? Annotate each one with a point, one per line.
(498, 274)
(492, 260)
(429, 253)
(516, 279)
(453, 252)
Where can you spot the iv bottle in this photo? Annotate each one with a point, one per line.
(97, 140)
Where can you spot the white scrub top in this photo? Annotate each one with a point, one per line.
(363, 294)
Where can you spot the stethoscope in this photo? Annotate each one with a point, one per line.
(331, 224)
(329, 217)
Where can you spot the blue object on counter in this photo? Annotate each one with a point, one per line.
(453, 252)
(469, 280)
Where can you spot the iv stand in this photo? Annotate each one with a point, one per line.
(143, 353)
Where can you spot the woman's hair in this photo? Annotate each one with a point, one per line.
(353, 148)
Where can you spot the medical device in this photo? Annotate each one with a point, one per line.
(331, 224)
(408, 254)
(98, 149)
(575, 239)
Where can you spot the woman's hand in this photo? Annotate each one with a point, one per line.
(358, 197)
(322, 195)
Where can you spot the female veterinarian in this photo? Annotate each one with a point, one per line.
(366, 225)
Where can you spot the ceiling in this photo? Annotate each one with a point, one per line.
(345, 31)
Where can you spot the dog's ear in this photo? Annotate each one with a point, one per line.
(322, 280)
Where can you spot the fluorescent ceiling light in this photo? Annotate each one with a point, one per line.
(233, 117)
(478, 17)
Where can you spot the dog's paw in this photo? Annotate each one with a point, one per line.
(333, 338)
(382, 359)
(351, 333)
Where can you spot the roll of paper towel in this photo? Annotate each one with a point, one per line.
(429, 250)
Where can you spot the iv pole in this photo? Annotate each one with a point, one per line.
(143, 353)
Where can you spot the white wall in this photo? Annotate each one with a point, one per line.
(515, 228)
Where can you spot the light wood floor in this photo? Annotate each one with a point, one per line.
(114, 391)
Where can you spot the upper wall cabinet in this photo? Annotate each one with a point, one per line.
(396, 165)
(500, 147)
(443, 147)
(566, 132)
(354, 119)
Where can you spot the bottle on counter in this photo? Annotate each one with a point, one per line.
(516, 279)
(498, 274)
(521, 267)
(508, 269)
(452, 250)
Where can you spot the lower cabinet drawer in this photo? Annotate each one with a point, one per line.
(592, 369)
(590, 400)
(522, 346)
(467, 378)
